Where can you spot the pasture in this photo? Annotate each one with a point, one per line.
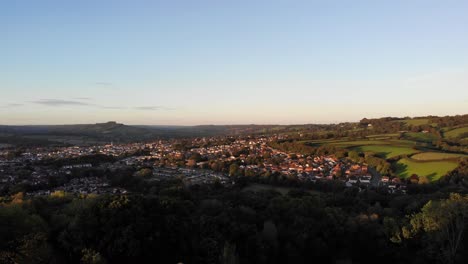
(456, 132)
(423, 161)
(432, 169)
(420, 137)
(386, 151)
(383, 136)
(385, 147)
(436, 156)
(346, 143)
(416, 122)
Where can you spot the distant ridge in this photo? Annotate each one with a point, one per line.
(113, 131)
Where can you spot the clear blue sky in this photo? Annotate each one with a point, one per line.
(230, 62)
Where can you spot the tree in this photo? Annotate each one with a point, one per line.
(229, 254)
(353, 155)
(91, 257)
(423, 180)
(443, 222)
(191, 163)
(234, 170)
(145, 173)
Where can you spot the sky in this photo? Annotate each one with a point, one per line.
(191, 62)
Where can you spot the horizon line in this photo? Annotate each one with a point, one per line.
(231, 124)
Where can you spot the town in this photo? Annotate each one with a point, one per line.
(42, 171)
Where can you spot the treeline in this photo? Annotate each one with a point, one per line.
(170, 223)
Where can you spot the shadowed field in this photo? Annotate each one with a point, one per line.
(432, 169)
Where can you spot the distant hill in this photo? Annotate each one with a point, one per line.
(211, 130)
(74, 134)
(106, 131)
(454, 128)
(83, 134)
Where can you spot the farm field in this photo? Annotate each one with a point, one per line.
(383, 136)
(432, 169)
(321, 142)
(416, 122)
(355, 143)
(389, 142)
(436, 156)
(423, 161)
(422, 137)
(346, 144)
(386, 148)
(386, 151)
(456, 132)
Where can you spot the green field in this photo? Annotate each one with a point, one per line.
(321, 141)
(347, 144)
(436, 156)
(386, 151)
(388, 143)
(432, 169)
(416, 122)
(421, 137)
(386, 148)
(456, 132)
(383, 136)
(423, 162)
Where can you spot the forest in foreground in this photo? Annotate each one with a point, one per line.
(167, 222)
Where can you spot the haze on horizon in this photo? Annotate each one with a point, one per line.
(231, 62)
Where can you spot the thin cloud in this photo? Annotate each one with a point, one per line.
(148, 108)
(113, 107)
(152, 108)
(11, 105)
(14, 105)
(103, 83)
(59, 102)
(82, 98)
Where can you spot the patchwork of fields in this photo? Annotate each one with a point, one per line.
(414, 151)
(420, 137)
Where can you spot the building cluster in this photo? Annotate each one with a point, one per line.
(197, 161)
(192, 176)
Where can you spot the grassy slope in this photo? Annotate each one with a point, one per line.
(421, 137)
(431, 164)
(432, 169)
(387, 151)
(383, 136)
(456, 132)
(416, 122)
(383, 145)
(353, 143)
(436, 156)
